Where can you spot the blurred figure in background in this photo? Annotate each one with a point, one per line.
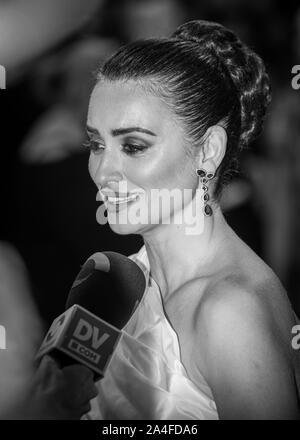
(29, 391)
(65, 79)
(23, 330)
(152, 18)
(275, 176)
(276, 184)
(28, 29)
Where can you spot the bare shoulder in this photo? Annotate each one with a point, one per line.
(229, 308)
(243, 331)
(235, 305)
(246, 293)
(235, 295)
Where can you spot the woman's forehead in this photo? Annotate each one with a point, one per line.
(128, 103)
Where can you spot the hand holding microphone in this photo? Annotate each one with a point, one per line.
(60, 393)
(82, 340)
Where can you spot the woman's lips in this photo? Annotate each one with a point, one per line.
(115, 197)
(119, 206)
(121, 200)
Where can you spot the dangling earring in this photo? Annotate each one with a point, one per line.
(205, 176)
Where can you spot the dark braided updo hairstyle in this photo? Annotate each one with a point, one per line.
(207, 76)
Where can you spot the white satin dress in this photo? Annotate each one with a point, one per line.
(145, 379)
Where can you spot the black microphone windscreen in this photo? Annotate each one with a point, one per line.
(109, 285)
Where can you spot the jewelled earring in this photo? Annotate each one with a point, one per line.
(205, 176)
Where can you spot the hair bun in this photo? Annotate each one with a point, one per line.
(244, 67)
(198, 30)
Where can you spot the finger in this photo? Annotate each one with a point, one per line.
(80, 395)
(93, 391)
(47, 366)
(85, 409)
(78, 374)
(88, 391)
(76, 414)
(48, 374)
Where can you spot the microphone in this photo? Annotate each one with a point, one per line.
(101, 300)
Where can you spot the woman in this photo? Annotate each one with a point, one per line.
(211, 337)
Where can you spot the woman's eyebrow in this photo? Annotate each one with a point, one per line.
(120, 131)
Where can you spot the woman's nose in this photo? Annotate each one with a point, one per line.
(108, 169)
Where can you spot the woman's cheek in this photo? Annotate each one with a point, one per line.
(148, 173)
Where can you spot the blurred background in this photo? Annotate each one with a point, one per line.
(50, 50)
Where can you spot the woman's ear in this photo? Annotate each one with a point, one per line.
(214, 146)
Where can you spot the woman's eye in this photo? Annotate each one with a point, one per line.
(93, 145)
(133, 148)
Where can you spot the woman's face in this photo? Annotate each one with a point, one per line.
(136, 146)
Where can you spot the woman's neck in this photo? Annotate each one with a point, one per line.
(176, 257)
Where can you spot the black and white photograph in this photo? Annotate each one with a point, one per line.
(150, 205)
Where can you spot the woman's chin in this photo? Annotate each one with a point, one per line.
(124, 229)
(122, 221)
(121, 224)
